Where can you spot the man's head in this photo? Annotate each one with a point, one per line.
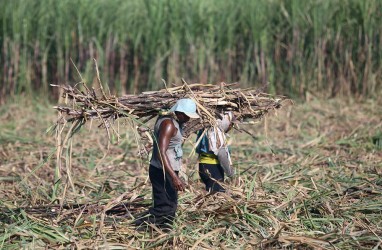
(185, 109)
(181, 117)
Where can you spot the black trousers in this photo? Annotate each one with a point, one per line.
(165, 196)
(210, 173)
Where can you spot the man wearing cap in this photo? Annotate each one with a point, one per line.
(165, 164)
(214, 156)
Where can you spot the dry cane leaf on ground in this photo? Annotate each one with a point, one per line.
(325, 195)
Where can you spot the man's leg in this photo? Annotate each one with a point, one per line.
(210, 174)
(165, 196)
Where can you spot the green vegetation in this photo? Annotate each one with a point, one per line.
(332, 47)
(310, 180)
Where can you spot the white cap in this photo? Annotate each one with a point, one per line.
(186, 106)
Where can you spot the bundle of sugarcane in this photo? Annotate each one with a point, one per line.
(211, 101)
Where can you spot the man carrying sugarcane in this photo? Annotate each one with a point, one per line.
(165, 164)
(214, 157)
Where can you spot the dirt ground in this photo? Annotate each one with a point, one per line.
(317, 165)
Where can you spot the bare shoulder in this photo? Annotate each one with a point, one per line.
(167, 123)
(168, 127)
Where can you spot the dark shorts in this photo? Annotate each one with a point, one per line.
(210, 174)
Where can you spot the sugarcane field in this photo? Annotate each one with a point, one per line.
(205, 124)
